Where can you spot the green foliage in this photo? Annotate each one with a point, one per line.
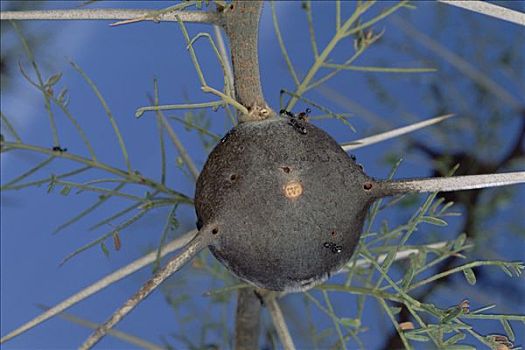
(377, 272)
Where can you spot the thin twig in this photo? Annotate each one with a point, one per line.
(101, 284)
(278, 321)
(337, 327)
(111, 14)
(280, 40)
(379, 69)
(226, 99)
(10, 127)
(101, 200)
(357, 109)
(63, 106)
(27, 173)
(225, 59)
(225, 62)
(489, 9)
(155, 14)
(131, 177)
(454, 183)
(109, 114)
(128, 338)
(370, 140)
(41, 85)
(214, 104)
(323, 56)
(175, 139)
(400, 255)
(459, 63)
(180, 147)
(199, 242)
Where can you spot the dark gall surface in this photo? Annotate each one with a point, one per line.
(288, 204)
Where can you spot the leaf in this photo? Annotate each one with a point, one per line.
(52, 184)
(470, 276)
(62, 96)
(433, 220)
(53, 80)
(104, 249)
(485, 308)
(452, 314)
(65, 190)
(508, 329)
(506, 270)
(409, 275)
(459, 242)
(116, 241)
(416, 337)
(445, 208)
(453, 327)
(389, 259)
(454, 339)
(436, 204)
(350, 322)
(512, 269)
(395, 310)
(460, 347)
(420, 259)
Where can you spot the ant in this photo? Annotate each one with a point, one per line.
(59, 149)
(297, 119)
(333, 247)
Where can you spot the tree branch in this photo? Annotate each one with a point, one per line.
(241, 24)
(247, 320)
(489, 9)
(370, 140)
(279, 322)
(101, 284)
(125, 337)
(447, 184)
(199, 242)
(112, 14)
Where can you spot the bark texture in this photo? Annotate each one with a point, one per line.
(241, 23)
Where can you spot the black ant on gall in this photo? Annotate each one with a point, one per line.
(333, 247)
(59, 149)
(296, 120)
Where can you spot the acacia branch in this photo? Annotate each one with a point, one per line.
(370, 140)
(125, 337)
(241, 24)
(489, 9)
(101, 284)
(247, 320)
(447, 184)
(112, 14)
(199, 242)
(279, 322)
(240, 21)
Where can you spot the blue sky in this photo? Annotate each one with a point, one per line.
(123, 61)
